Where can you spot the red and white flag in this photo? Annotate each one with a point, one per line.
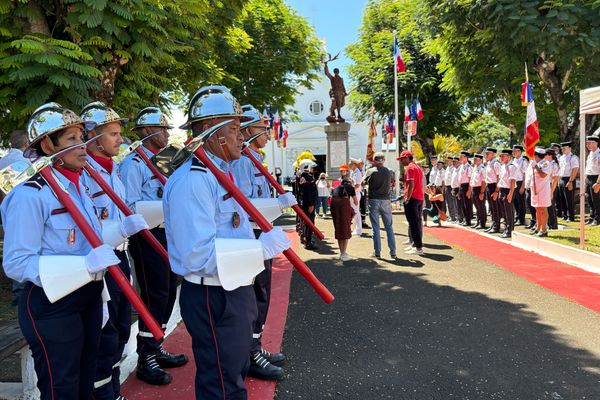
(419, 110)
(398, 61)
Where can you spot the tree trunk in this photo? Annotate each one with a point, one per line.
(109, 71)
(37, 20)
(553, 82)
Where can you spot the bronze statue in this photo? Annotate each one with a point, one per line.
(337, 93)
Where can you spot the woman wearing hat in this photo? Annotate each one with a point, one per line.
(60, 321)
(342, 214)
(541, 191)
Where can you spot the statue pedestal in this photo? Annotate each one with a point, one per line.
(337, 147)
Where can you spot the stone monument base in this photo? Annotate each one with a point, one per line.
(337, 147)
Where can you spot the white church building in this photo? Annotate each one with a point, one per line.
(312, 107)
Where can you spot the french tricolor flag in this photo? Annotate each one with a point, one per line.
(406, 110)
(400, 67)
(532, 132)
(276, 124)
(419, 110)
(526, 94)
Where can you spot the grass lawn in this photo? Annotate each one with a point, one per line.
(570, 236)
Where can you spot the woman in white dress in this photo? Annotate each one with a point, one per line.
(541, 193)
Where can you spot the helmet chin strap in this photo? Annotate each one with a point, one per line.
(224, 150)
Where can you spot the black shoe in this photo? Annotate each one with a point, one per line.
(261, 368)
(565, 218)
(365, 226)
(542, 234)
(150, 372)
(277, 359)
(121, 398)
(495, 231)
(491, 228)
(530, 226)
(571, 219)
(310, 246)
(170, 360)
(595, 223)
(588, 221)
(481, 227)
(505, 235)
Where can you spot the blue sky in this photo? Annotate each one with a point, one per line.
(336, 21)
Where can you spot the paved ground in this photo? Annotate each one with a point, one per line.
(444, 326)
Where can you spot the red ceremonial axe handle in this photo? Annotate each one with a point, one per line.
(95, 241)
(280, 190)
(156, 245)
(155, 172)
(264, 225)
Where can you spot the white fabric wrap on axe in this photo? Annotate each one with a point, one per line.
(112, 233)
(269, 208)
(62, 275)
(238, 261)
(152, 211)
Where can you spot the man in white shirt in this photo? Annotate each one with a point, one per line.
(455, 184)
(520, 164)
(568, 170)
(18, 144)
(492, 168)
(505, 192)
(465, 171)
(450, 199)
(592, 179)
(477, 190)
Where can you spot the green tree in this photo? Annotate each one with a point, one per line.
(483, 44)
(372, 71)
(486, 131)
(283, 55)
(130, 52)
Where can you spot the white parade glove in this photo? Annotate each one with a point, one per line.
(287, 200)
(100, 258)
(133, 224)
(104, 314)
(274, 242)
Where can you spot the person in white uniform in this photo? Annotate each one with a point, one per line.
(541, 190)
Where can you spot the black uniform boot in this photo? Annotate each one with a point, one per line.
(277, 359)
(170, 360)
(261, 368)
(150, 372)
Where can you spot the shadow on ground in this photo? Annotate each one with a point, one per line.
(391, 334)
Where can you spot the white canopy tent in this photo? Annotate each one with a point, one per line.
(589, 103)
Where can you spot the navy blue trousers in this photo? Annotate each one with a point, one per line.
(158, 287)
(114, 337)
(64, 338)
(262, 292)
(220, 323)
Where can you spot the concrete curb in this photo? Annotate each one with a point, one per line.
(569, 255)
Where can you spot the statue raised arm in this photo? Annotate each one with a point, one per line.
(337, 92)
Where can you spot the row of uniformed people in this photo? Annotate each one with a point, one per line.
(501, 182)
(42, 237)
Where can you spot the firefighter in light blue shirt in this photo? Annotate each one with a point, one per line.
(158, 284)
(264, 364)
(60, 309)
(221, 335)
(115, 333)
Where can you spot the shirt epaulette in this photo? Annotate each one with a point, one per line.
(197, 165)
(137, 158)
(36, 182)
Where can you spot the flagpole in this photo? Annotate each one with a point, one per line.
(396, 110)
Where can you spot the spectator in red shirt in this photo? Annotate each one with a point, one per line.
(413, 201)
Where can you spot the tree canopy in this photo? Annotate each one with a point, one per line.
(135, 53)
(471, 55)
(283, 54)
(372, 70)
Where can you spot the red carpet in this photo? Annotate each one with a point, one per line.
(179, 341)
(573, 283)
